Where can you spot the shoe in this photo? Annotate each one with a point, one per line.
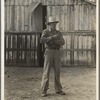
(44, 95)
(60, 92)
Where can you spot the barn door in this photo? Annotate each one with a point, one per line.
(44, 14)
(37, 14)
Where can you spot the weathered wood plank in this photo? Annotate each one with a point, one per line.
(30, 1)
(57, 2)
(75, 52)
(7, 2)
(80, 52)
(72, 18)
(12, 18)
(68, 47)
(51, 2)
(93, 52)
(57, 11)
(89, 52)
(62, 2)
(71, 2)
(82, 17)
(17, 2)
(66, 2)
(8, 18)
(26, 2)
(5, 18)
(22, 17)
(12, 2)
(17, 20)
(89, 13)
(76, 17)
(61, 19)
(85, 52)
(26, 20)
(21, 2)
(79, 18)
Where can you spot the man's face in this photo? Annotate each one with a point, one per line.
(52, 26)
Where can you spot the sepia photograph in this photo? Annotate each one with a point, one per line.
(50, 49)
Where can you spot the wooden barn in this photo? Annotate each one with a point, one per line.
(25, 21)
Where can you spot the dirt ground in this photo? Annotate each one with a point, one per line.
(79, 83)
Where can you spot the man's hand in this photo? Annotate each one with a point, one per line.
(56, 36)
(49, 38)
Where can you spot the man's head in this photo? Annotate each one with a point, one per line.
(52, 22)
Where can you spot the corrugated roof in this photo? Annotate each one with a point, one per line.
(33, 6)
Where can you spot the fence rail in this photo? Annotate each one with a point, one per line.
(79, 48)
(24, 49)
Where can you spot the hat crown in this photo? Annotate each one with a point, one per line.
(52, 19)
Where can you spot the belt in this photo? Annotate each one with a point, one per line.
(52, 48)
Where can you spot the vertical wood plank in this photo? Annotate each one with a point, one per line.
(66, 2)
(62, 2)
(7, 2)
(25, 2)
(21, 2)
(30, 1)
(50, 2)
(80, 52)
(61, 20)
(17, 2)
(89, 52)
(68, 52)
(12, 18)
(15, 21)
(79, 18)
(89, 17)
(44, 2)
(22, 17)
(8, 18)
(76, 17)
(12, 2)
(75, 52)
(82, 17)
(72, 18)
(57, 13)
(64, 52)
(84, 52)
(17, 24)
(57, 2)
(5, 18)
(92, 53)
(53, 11)
(26, 19)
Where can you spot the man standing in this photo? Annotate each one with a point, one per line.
(53, 40)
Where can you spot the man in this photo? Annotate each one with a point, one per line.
(53, 40)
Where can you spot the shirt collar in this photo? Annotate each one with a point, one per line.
(51, 30)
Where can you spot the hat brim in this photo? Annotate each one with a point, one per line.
(52, 22)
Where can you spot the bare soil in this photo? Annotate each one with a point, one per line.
(79, 83)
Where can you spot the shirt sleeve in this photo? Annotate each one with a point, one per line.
(44, 38)
(60, 41)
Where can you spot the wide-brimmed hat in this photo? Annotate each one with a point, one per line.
(52, 19)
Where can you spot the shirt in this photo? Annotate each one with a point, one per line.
(56, 39)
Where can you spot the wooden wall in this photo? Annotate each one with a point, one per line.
(72, 14)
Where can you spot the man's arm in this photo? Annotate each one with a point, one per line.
(44, 38)
(60, 41)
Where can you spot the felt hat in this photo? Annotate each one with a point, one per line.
(52, 19)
